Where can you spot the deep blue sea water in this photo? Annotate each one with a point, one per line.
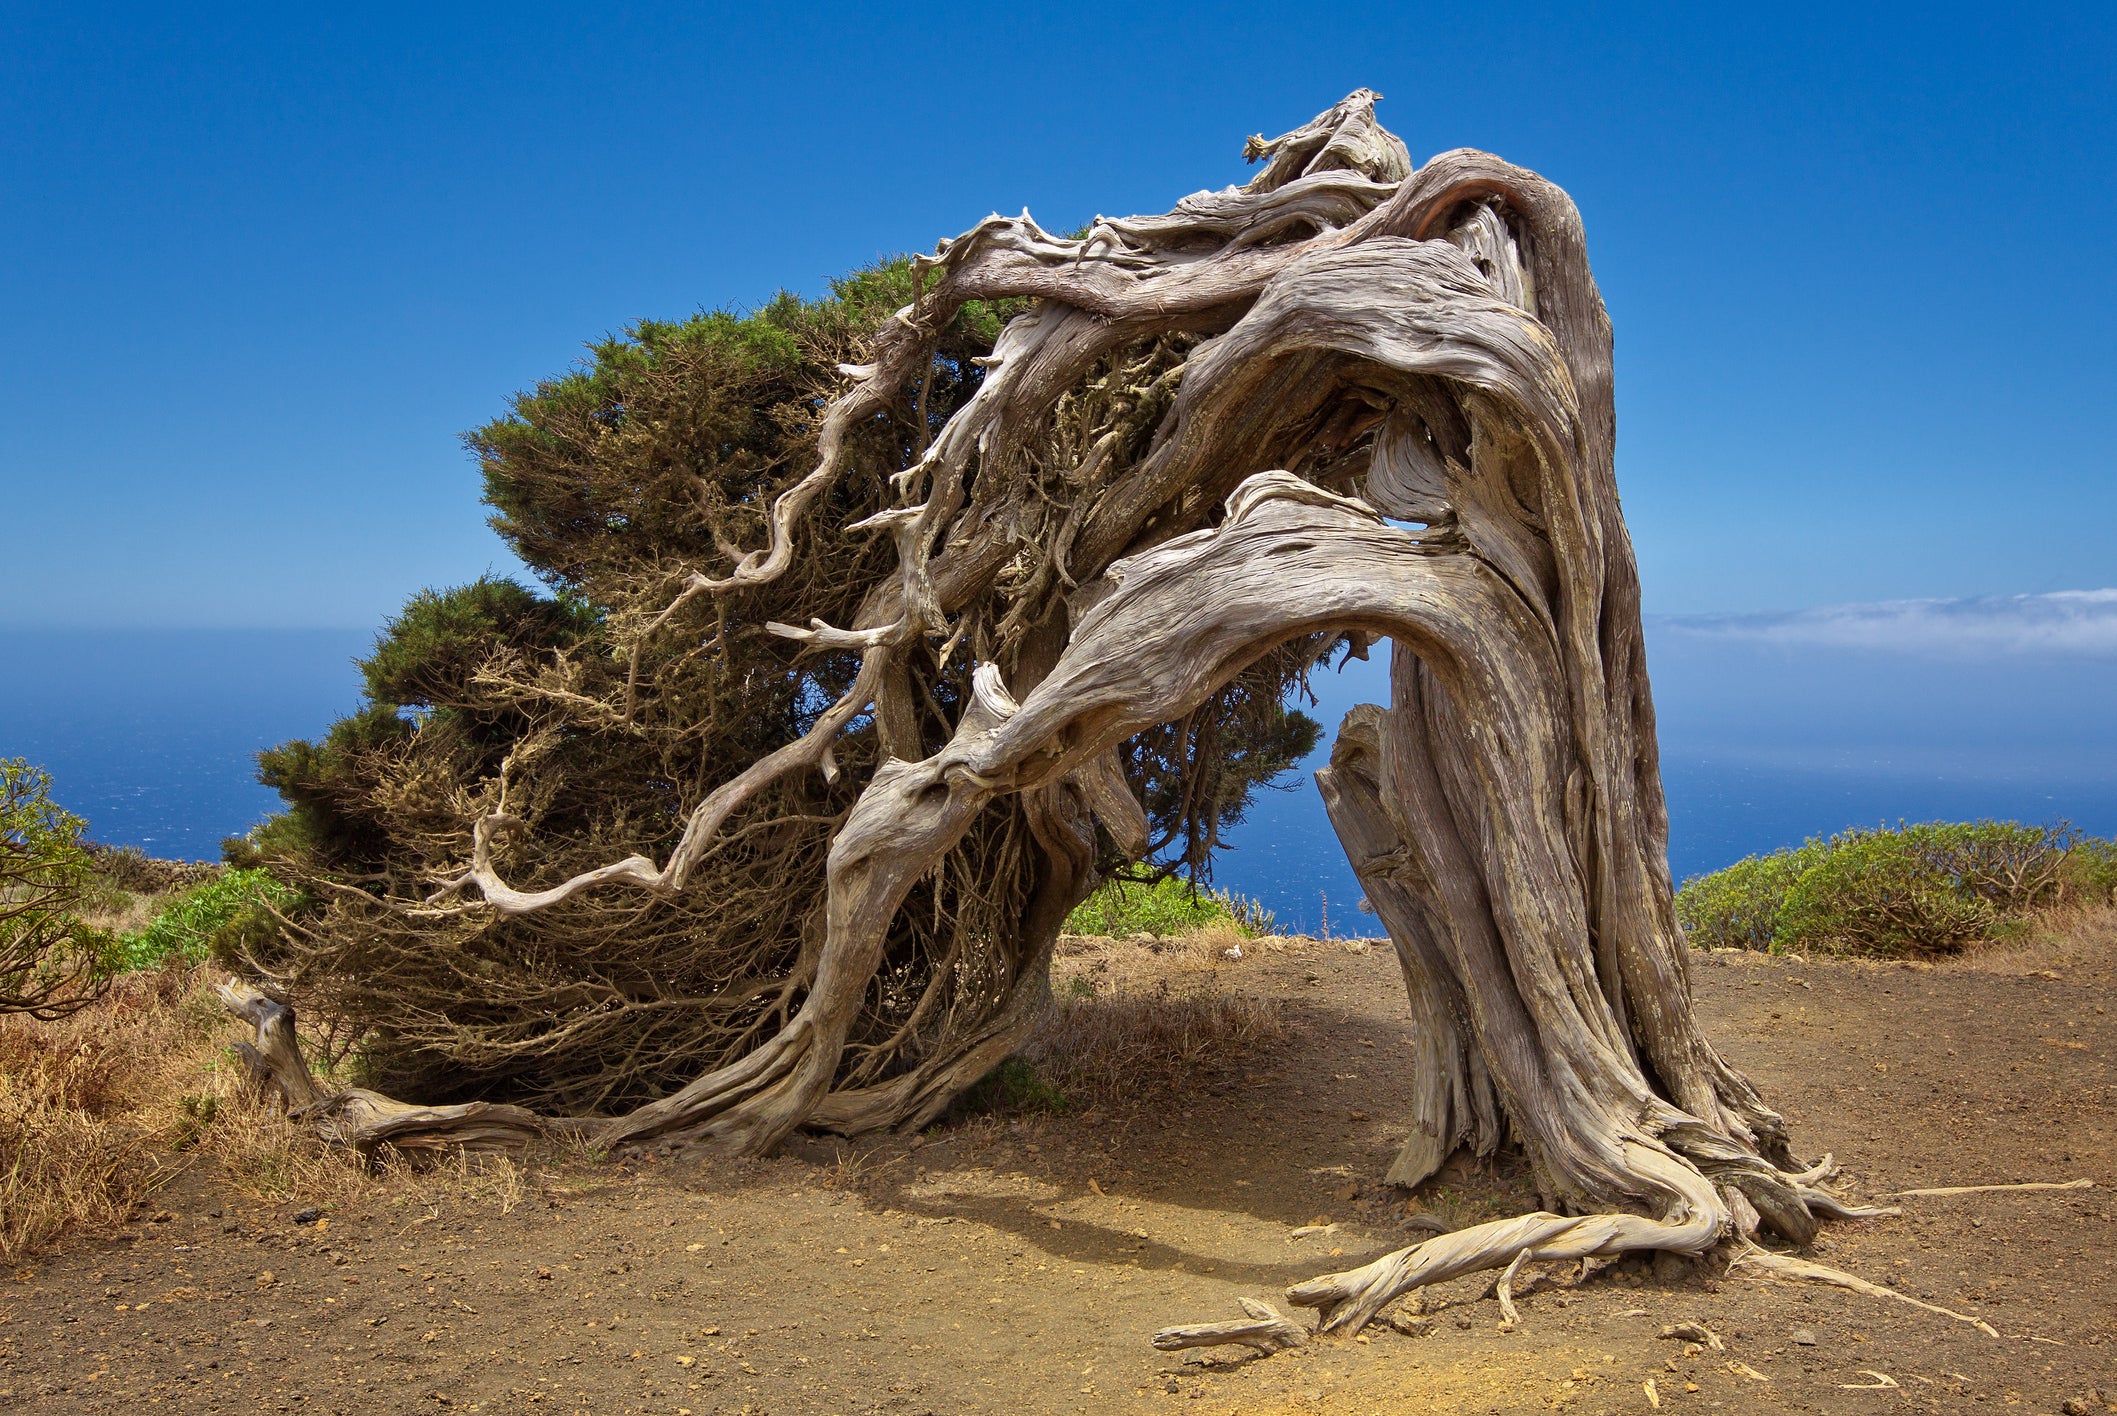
(151, 736)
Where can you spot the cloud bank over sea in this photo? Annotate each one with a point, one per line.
(2062, 624)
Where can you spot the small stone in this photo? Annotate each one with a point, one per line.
(2074, 1406)
(308, 1216)
(1804, 1337)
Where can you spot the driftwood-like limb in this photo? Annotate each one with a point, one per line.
(1791, 1268)
(355, 1118)
(273, 1058)
(2082, 1184)
(1818, 1173)
(1264, 1330)
(1882, 1381)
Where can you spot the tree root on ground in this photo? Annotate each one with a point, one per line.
(1266, 1330)
(1990, 1189)
(1792, 1268)
(1348, 1301)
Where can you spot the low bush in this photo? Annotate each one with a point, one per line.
(1931, 888)
(188, 930)
(1101, 1047)
(1167, 906)
(76, 1097)
(51, 960)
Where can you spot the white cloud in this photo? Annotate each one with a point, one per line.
(2067, 624)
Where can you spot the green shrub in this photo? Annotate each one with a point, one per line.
(187, 931)
(1931, 888)
(1738, 908)
(51, 963)
(1167, 906)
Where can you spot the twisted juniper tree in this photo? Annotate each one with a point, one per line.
(1350, 401)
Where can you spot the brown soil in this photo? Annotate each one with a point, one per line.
(1018, 1264)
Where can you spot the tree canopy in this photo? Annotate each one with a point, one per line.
(599, 718)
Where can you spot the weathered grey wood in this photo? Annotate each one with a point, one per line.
(358, 1119)
(1265, 1329)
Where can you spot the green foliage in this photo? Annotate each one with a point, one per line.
(654, 450)
(196, 922)
(50, 961)
(1166, 906)
(1738, 907)
(427, 656)
(1012, 1088)
(1931, 888)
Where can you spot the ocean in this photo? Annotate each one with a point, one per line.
(152, 736)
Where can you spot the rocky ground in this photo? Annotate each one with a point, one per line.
(1017, 1264)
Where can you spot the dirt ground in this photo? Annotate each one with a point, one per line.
(1019, 1264)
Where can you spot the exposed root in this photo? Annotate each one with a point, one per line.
(1824, 1203)
(355, 1118)
(1265, 1330)
(1882, 1380)
(1991, 1189)
(1698, 1219)
(1791, 1268)
(1504, 1289)
(1818, 1173)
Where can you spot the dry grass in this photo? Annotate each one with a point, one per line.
(77, 1099)
(2054, 940)
(124, 912)
(1133, 1017)
(99, 1111)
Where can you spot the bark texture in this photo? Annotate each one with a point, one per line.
(1371, 402)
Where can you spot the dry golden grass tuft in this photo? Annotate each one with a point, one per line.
(124, 911)
(99, 1111)
(1133, 1016)
(2055, 940)
(77, 1098)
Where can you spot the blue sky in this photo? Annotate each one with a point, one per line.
(261, 267)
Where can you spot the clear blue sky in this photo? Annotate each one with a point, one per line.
(258, 269)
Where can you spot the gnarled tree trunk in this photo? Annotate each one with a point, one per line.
(1392, 418)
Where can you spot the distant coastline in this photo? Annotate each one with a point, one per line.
(151, 736)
